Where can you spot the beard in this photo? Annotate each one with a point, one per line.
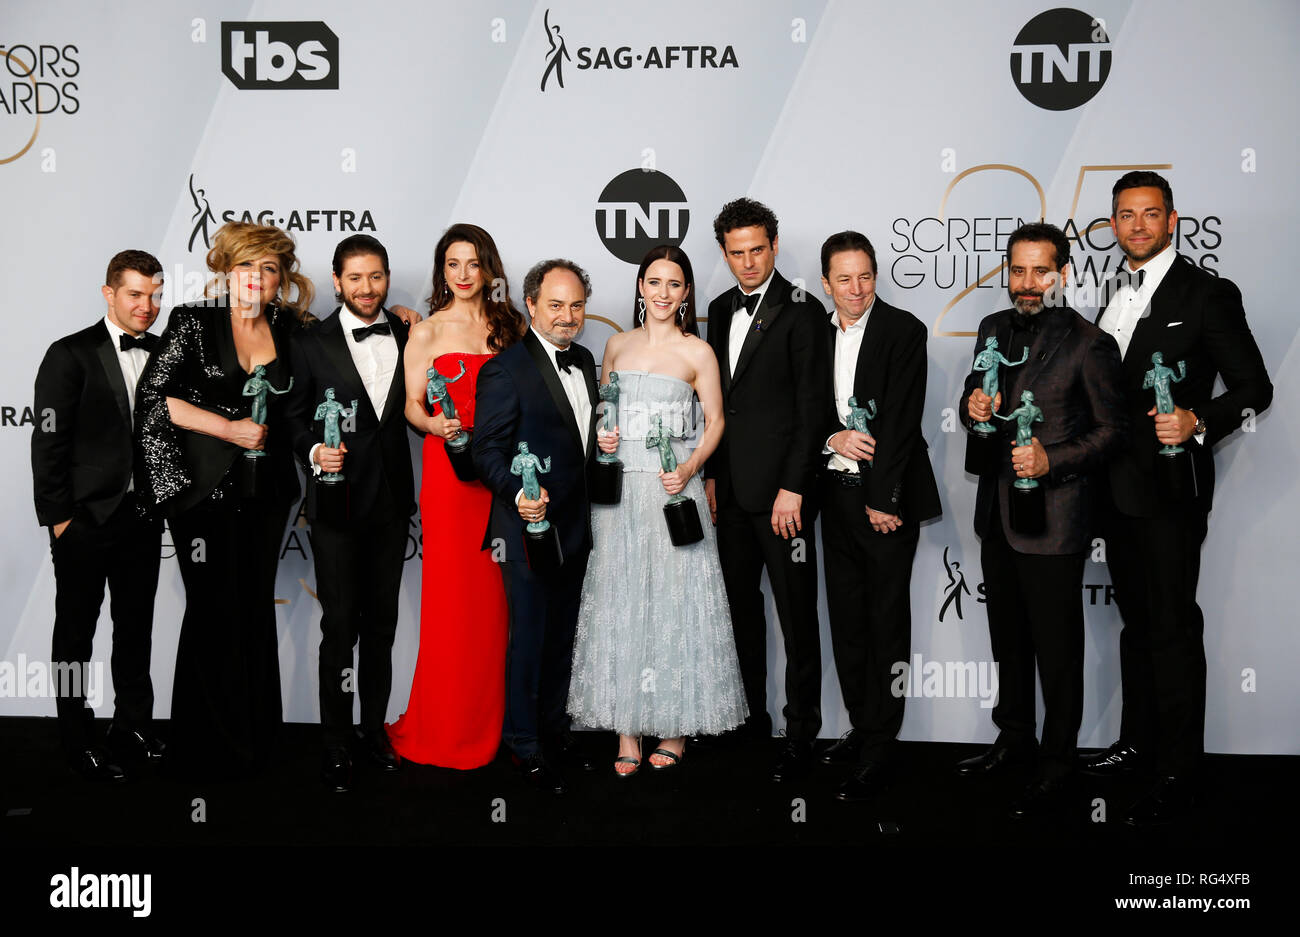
(1157, 244)
(362, 315)
(1027, 304)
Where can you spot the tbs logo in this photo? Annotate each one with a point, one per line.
(280, 56)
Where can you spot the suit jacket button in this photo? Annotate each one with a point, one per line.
(731, 411)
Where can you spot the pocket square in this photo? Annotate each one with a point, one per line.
(1172, 324)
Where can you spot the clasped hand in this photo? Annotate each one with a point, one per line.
(854, 445)
(980, 406)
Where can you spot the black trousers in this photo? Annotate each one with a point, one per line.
(539, 652)
(746, 546)
(124, 553)
(1035, 612)
(1155, 564)
(869, 600)
(358, 577)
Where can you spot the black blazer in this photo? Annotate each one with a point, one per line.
(891, 370)
(196, 361)
(1074, 372)
(378, 461)
(774, 403)
(1198, 318)
(82, 452)
(519, 397)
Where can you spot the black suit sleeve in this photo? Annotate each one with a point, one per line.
(810, 376)
(712, 463)
(496, 418)
(1103, 382)
(898, 428)
(1237, 358)
(299, 406)
(59, 383)
(166, 375)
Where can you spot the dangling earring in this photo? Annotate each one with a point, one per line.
(640, 311)
(681, 312)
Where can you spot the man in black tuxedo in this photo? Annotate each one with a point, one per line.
(1160, 301)
(876, 488)
(1034, 583)
(83, 463)
(357, 351)
(542, 391)
(769, 338)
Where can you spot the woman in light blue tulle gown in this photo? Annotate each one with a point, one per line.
(654, 653)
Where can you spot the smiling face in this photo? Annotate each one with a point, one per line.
(1142, 225)
(1032, 272)
(254, 283)
(560, 307)
(851, 282)
(363, 285)
(461, 269)
(664, 289)
(750, 255)
(133, 303)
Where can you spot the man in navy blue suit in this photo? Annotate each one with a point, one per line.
(541, 391)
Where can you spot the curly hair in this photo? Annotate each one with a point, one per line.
(744, 213)
(239, 241)
(533, 279)
(506, 324)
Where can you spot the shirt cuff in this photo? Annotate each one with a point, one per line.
(518, 496)
(1200, 438)
(311, 459)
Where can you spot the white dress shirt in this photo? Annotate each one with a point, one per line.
(132, 363)
(1129, 305)
(376, 362)
(742, 322)
(574, 383)
(848, 343)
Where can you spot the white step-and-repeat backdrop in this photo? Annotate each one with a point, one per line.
(594, 130)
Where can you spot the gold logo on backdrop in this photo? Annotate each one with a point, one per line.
(35, 130)
(1042, 213)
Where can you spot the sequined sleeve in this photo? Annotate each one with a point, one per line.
(165, 471)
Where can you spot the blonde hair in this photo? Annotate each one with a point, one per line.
(240, 241)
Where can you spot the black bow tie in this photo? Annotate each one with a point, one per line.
(566, 359)
(748, 302)
(1130, 278)
(127, 342)
(379, 328)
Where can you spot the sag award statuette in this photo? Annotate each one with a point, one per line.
(607, 473)
(1026, 504)
(331, 488)
(857, 420)
(681, 512)
(457, 448)
(541, 540)
(1174, 466)
(982, 448)
(253, 477)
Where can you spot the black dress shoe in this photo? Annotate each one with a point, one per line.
(1042, 798)
(379, 750)
(994, 761)
(134, 745)
(1117, 760)
(336, 770)
(866, 782)
(538, 772)
(93, 765)
(569, 752)
(793, 762)
(845, 751)
(1171, 799)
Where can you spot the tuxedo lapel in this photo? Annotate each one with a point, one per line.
(771, 305)
(396, 402)
(873, 334)
(723, 345)
(1041, 352)
(589, 371)
(113, 371)
(335, 344)
(1155, 319)
(542, 359)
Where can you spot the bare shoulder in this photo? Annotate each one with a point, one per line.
(697, 351)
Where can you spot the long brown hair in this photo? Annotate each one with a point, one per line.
(678, 256)
(239, 241)
(505, 324)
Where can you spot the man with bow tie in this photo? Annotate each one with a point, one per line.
(1034, 582)
(1159, 301)
(540, 391)
(761, 481)
(83, 462)
(356, 352)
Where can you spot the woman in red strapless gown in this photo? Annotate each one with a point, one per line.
(457, 704)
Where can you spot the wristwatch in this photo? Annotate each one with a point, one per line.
(1199, 428)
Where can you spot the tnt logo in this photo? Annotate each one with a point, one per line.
(280, 56)
(638, 210)
(1061, 59)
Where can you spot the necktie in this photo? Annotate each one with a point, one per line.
(127, 342)
(379, 328)
(566, 359)
(748, 302)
